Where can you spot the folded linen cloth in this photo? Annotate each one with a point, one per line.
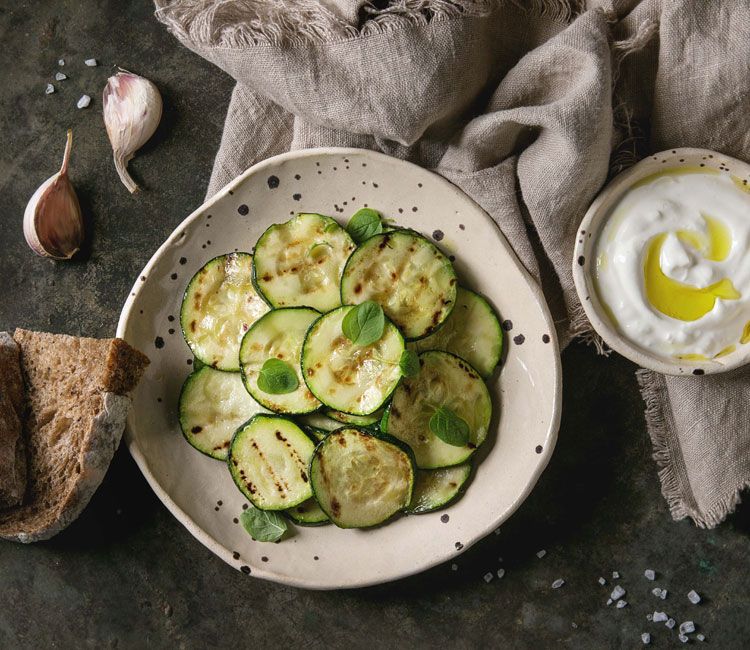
(528, 107)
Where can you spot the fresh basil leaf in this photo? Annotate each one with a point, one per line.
(364, 324)
(277, 377)
(384, 421)
(364, 224)
(409, 363)
(450, 428)
(263, 525)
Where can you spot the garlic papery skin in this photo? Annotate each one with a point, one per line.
(132, 110)
(52, 222)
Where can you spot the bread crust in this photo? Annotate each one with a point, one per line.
(12, 450)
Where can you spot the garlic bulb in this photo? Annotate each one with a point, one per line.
(132, 110)
(52, 222)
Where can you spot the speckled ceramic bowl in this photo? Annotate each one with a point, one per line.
(526, 392)
(584, 259)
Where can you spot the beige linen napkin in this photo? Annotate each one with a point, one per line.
(528, 107)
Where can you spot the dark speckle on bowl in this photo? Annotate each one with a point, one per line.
(273, 182)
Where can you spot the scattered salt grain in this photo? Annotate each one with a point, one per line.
(660, 617)
(500, 559)
(454, 567)
(49, 90)
(61, 62)
(649, 617)
(688, 627)
(617, 592)
(602, 581)
(694, 597)
(700, 637)
(663, 594)
(60, 76)
(574, 625)
(488, 577)
(558, 583)
(621, 604)
(615, 575)
(541, 554)
(497, 531)
(91, 63)
(656, 591)
(650, 574)
(500, 573)
(646, 638)
(609, 601)
(683, 638)
(84, 101)
(670, 623)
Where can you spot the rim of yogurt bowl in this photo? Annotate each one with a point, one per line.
(587, 237)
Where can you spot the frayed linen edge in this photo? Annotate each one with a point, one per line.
(658, 423)
(192, 21)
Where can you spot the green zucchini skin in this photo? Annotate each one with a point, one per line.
(308, 513)
(443, 380)
(407, 275)
(355, 420)
(318, 421)
(218, 306)
(472, 332)
(436, 488)
(269, 462)
(361, 480)
(352, 379)
(278, 334)
(212, 404)
(315, 250)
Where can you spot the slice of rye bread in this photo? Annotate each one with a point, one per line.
(12, 452)
(77, 396)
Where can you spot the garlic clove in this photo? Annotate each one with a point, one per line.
(132, 109)
(52, 222)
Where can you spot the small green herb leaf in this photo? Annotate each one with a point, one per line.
(409, 363)
(364, 224)
(263, 525)
(364, 324)
(450, 428)
(277, 377)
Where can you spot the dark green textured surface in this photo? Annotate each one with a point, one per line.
(126, 574)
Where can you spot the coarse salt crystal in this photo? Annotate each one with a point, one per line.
(60, 76)
(602, 581)
(682, 638)
(670, 623)
(49, 89)
(617, 592)
(663, 594)
(84, 101)
(91, 63)
(61, 62)
(615, 575)
(656, 591)
(688, 627)
(609, 601)
(500, 573)
(621, 604)
(660, 617)
(488, 577)
(541, 554)
(649, 617)
(497, 531)
(700, 637)
(650, 574)
(646, 638)
(454, 567)
(558, 583)
(694, 597)
(574, 625)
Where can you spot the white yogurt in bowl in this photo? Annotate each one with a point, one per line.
(662, 263)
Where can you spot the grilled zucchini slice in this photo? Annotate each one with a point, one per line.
(219, 305)
(269, 459)
(308, 513)
(353, 379)
(318, 421)
(412, 280)
(360, 480)
(299, 263)
(356, 420)
(443, 380)
(278, 335)
(472, 332)
(435, 488)
(212, 404)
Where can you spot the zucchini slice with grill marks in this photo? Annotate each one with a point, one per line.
(435, 488)
(278, 335)
(219, 305)
(299, 263)
(308, 513)
(443, 380)
(472, 332)
(360, 480)
(356, 420)
(318, 421)
(212, 404)
(354, 379)
(410, 278)
(269, 461)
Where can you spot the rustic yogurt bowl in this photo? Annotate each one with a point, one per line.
(585, 259)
